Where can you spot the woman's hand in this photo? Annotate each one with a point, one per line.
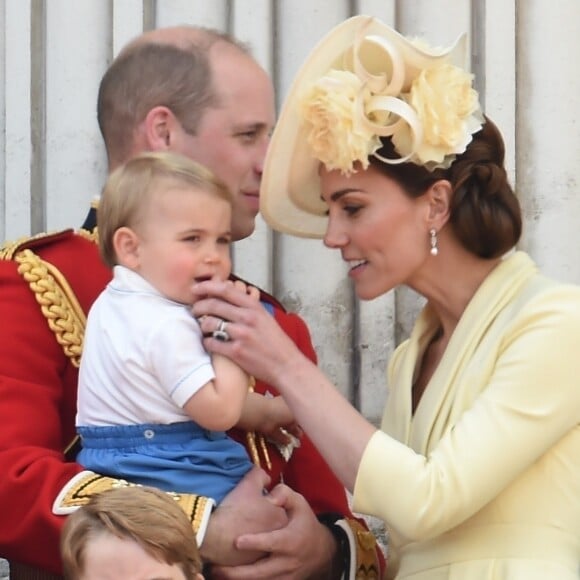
(256, 341)
(251, 291)
(262, 348)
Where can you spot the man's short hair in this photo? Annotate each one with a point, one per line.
(150, 73)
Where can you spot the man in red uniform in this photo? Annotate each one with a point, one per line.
(198, 93)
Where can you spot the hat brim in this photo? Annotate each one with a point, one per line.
(290, 199)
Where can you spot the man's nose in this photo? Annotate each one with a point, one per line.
(261, 154)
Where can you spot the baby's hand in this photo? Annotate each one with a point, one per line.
(279, 425)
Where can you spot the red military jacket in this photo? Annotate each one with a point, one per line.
(47, 286)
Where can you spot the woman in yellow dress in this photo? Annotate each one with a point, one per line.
(382, 150)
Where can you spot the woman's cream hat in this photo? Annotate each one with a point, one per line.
(363, 81)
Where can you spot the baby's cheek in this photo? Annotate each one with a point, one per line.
(179, 272)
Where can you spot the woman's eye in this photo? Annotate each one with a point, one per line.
(351, 209)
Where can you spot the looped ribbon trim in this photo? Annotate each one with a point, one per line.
(379, 83)
(384, 103)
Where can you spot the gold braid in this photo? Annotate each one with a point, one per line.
(58, 303)
(251, 439)
(91, 235)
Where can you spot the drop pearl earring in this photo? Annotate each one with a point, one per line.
(433, 241)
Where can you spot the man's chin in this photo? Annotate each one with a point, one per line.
(253, 203)
(240, 231)
(245, 223)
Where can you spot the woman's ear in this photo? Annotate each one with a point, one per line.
(439, 198)
(126, 246)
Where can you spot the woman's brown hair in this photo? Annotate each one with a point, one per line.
(485, 213)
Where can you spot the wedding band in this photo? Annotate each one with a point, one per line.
(221, 333)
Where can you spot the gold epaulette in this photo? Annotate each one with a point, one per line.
(57, 300)
(9, 248)
(91, 235)
(79, 490)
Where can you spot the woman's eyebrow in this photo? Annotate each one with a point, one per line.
(338, 194)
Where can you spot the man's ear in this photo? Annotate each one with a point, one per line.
(158, 127)
(126, 246)
(439, 199)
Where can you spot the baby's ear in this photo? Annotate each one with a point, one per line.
(126, 245)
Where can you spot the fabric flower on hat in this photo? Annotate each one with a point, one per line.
(444, 101)
(401, 90)
(332, 109)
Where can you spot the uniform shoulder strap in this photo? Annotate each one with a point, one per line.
(57, 300)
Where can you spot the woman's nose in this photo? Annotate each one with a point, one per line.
(334, 236)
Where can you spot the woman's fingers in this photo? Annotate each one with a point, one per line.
(222, 300)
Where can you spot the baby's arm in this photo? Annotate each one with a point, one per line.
(217, 406)
(268, 415)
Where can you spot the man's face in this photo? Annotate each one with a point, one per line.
(232, 139)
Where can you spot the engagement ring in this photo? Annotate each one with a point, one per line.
(221, 333)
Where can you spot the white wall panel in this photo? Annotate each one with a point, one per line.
(201, 12)
(548, 132)
(439, 22)
(252, 23)
(76, 57)
(128, 19)
(383, 9)
(15, 106)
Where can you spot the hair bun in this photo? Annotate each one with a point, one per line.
(490, 178)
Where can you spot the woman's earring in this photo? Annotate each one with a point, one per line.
(433, 241)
